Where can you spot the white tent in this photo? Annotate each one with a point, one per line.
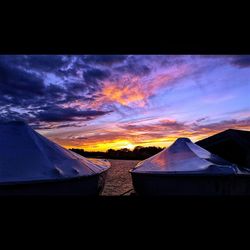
(25, 155)
(183, 156)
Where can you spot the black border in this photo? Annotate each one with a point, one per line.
(146, 214)
(107, 38)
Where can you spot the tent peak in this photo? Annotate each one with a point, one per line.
(182, 140)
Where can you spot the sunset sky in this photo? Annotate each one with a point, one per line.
(97, 102)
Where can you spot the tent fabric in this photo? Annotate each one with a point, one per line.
(25, 155)
(183, 156)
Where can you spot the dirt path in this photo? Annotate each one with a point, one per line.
(119, 179)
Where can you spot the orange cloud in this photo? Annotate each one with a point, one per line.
(126, 92)
(160, 133)
(135, 90)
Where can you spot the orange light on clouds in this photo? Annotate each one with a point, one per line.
(135, 90)
(123, 94)
(153, 130)
(129, 138)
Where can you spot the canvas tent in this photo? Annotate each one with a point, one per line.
(187, 169)
(183, 156)
(26, 156)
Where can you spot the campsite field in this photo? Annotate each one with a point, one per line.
(118, 179)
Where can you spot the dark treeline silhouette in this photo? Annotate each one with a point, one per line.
(139, 153)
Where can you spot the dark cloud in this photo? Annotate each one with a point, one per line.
(17, 81)
(170, 60)
(94, 74)
(107, 60)
(58, 114)
(223, 125)
(162, 126)
(171, 124)
(55, 92)
(77, 87)
(18, 88)
(166, 127)
(51, 125)
(79, 137)
(7, 114)
(134, 69)
(23, 87)
(46, 63)
(134, 65)
(241, 61)
(202, 119)
(40, 63)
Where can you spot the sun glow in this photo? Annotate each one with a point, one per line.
(130, 146)
(101, 146)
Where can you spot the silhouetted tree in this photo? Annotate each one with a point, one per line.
(137, 149)
(139, 153)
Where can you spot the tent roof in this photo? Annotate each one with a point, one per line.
(25, 155)
(183, 156)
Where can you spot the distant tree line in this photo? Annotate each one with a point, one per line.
(139, 153)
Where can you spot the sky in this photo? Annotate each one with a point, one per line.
(97, 102)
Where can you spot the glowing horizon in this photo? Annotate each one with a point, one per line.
(98, 102)
(120, 144)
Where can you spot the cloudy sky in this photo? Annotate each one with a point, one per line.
(98, 102)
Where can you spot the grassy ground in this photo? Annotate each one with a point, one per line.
(119, 180)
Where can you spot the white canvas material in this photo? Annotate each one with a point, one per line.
(25, 155)
(183, 156)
